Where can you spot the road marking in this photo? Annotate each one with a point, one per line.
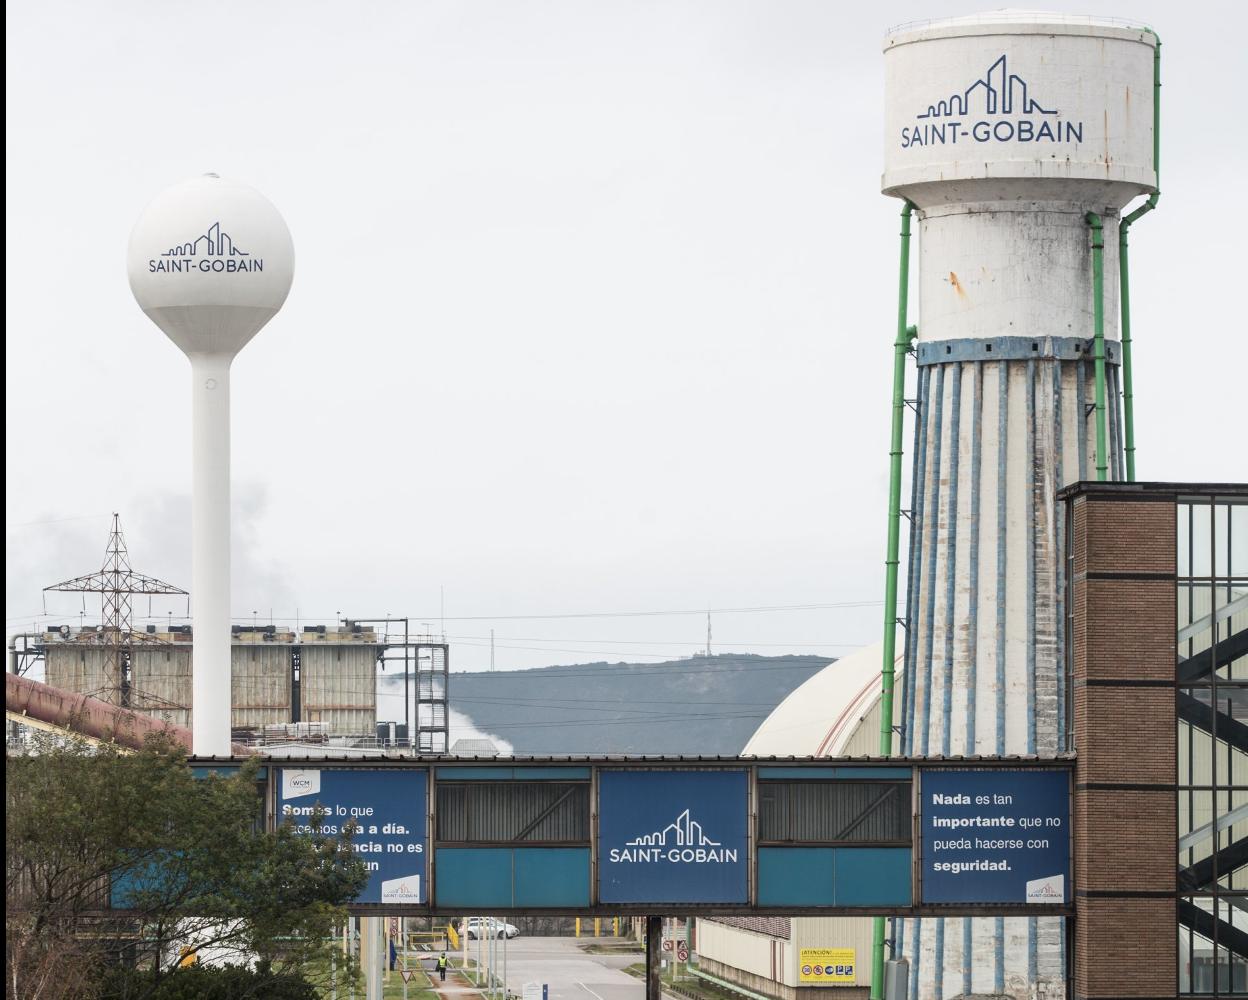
(588, 990)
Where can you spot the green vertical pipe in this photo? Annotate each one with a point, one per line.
(901, 347)
(1098, 314)
(1124, 283)
(1128, 389)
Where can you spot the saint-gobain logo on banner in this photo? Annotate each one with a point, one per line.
(1047, 890)
(405, 889)
(296, 783)
(682, 841)
(997, 107)
(210, 252)
(673, 836)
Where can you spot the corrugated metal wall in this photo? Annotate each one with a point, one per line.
(338, 686)
(830, 812)
(865, 739)
(837, 932)
(770, 959)
(260, 684)
(514, 811)
(751, 953)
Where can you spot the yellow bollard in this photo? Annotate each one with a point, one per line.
(578, 926)
(597, 927)
(615, 926)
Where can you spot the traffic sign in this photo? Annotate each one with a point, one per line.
(682, 952)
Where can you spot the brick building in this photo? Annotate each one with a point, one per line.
(1155, 685)
(1158, 679)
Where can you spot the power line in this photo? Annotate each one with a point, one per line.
(762, 609)
(650, 642)
(758, 609)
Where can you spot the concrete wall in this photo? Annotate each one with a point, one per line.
(338, 686)
(161, 679)
(77, 667)
(338, 680)
(260, 679)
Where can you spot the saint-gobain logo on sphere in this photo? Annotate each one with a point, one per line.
(683, 841)
(211, 252)
(995, 108)
(296, 783)
(1047, 890)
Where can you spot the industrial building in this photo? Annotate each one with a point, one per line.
(315, 685)
(1018, 140)
(1156, 690)
(836, 713)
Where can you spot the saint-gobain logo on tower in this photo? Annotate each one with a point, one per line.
(210, 252)
(683, 841)
(995, 108)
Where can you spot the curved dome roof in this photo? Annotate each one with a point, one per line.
(818, 718)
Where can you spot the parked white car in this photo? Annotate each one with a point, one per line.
(475, 927)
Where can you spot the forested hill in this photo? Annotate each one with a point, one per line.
(702, 705)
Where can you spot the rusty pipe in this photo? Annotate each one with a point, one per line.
(80, 713)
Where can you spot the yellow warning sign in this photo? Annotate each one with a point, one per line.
(826, 967)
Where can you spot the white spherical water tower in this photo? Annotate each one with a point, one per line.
(210, 262)
(1017, 138)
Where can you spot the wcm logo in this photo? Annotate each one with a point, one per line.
(1017, 116)
(214, 251)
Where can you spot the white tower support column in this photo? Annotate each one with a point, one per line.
(1005, 131)
(210, 553)
(210, 262)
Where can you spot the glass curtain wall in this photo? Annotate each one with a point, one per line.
(1211, 703)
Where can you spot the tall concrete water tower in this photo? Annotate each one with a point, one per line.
(1016, 139)
(210, 262)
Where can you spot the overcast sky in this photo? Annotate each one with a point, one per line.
(592, 310)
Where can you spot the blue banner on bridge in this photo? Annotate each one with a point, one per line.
(995, 836)
(673, 836)
(389, 808)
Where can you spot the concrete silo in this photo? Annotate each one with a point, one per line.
(1016, 139)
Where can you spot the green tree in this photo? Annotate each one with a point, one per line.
(129, 857)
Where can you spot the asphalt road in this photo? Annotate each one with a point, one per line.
(570, 973)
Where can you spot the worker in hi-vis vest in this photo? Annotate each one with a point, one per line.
(442, 967)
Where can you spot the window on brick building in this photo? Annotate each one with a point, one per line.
(1211, 702)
